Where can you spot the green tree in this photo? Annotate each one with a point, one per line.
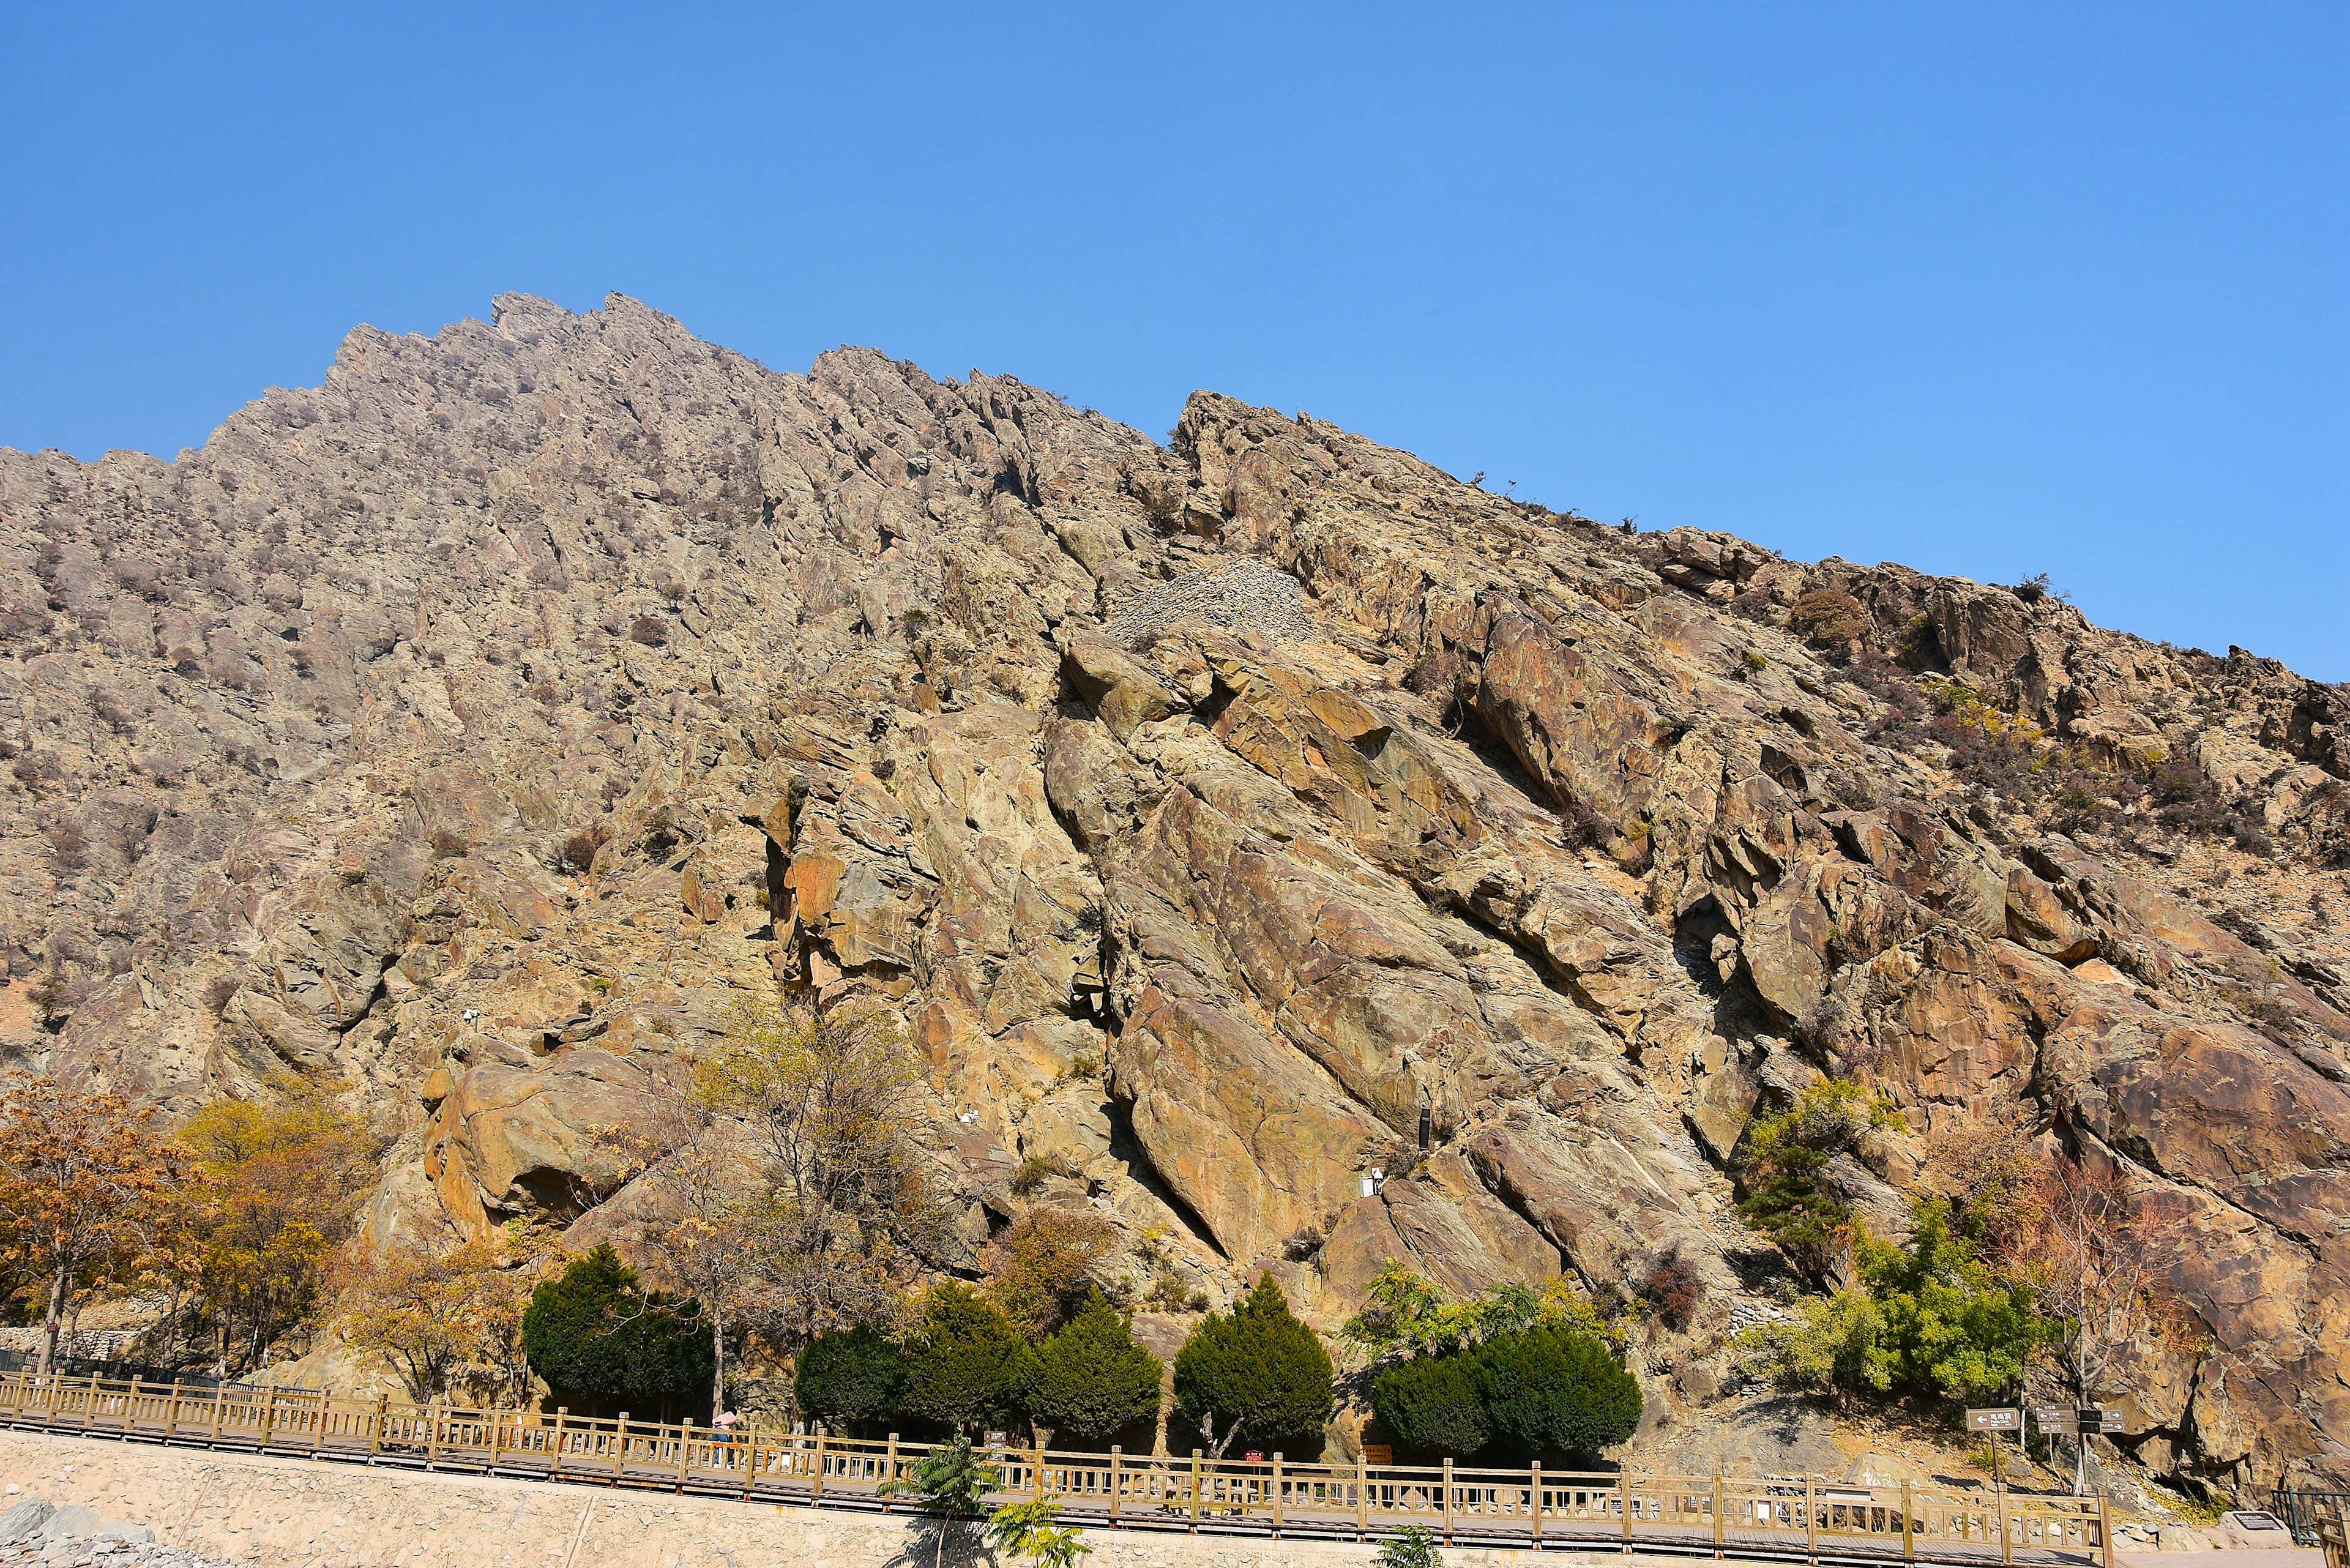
(1433, 1403)
(1787, 1156)
(1552, 1390)
(1092, 1380)
(951, 1481)
(1948, 1329)
(1927, 1319)
(850, 1379)
(1259, 1371)
(968, 1366)
(1415, 1548)
(596, 1336)
(1032, 1531)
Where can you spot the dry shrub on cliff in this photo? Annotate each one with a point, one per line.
(1040, 1267)
(1830, 619)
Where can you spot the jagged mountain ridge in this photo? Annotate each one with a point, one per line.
(471, 727)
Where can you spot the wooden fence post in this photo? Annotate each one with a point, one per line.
(1276, 1494)
(130, 1407)
(555, 1442)
(746, 1451)
(1534, 1475)
(220, 1397)
(1447, 1500)
(1909, 1543)
(90, 1411)
(432, 1434)
(1810, 1530)
(619, 1447)
(1195, 1492)
(1717, 1513)
(171, 1421)
(497, 1438)
(2105, 1532)
(817, 1500)
(269, 1417)
(1624, 1502)
(1362, 1498)
(890, 1472)
(2006, 1541)
(1117, 1474)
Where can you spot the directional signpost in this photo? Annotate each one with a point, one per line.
(1995, 1422)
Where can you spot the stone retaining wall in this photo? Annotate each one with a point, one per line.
(304, 1514)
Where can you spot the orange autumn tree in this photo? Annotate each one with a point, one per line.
(86, 1193)
(438, 1317)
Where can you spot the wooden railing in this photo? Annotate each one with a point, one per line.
(1531, 1507)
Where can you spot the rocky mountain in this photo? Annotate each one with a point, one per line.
(1229, 819)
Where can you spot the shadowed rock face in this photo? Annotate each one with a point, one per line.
(468, 730)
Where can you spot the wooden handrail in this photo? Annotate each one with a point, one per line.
(1530, 1505)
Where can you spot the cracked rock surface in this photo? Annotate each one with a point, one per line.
(471, 727)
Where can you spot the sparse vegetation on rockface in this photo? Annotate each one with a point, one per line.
(332, 750)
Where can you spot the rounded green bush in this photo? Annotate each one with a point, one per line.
(1433, 1403)
(599, 1339)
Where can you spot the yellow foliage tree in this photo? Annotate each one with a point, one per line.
(278, 1186)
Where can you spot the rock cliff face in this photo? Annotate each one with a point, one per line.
(1220, 815)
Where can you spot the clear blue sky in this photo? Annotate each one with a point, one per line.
(1988, 289)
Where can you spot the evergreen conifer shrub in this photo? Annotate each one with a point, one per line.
(1552, 1390)
(1092, 1380)
(850, 1379)
(1259, 1369)
(599, 1339)
(969, 1368)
